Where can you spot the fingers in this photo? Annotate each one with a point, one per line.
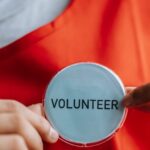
(12, 142)
(12, 123)
(38, 122)
(52, 134)
(138, 96)
(37, 108)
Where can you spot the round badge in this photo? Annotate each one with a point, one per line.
(83, 103)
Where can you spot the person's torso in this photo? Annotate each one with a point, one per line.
(113, 33)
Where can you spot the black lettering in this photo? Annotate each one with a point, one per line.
(61, 103)
(107, 104)
(54, 103)
(69, 107)
(114, 104)
(85, 103)
(76, 104)
(92, 100)
(99, 104)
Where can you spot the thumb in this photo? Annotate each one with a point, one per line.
(139, 96)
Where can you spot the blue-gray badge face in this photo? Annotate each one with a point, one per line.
(83, 103)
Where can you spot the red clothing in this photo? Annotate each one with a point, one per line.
(114, 33)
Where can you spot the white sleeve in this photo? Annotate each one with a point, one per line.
(26, 16)
(11, 7)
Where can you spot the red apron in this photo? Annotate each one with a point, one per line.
(115, 33)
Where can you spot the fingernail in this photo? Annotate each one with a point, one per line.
(53, 136)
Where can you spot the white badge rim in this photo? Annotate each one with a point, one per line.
(120, 124)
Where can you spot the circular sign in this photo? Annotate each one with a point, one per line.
(83, 103)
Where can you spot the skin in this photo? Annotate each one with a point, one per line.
(24, 128)
(21, 125)
(138, 98)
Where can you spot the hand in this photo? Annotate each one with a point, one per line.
(23, 129)
(138, 97)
